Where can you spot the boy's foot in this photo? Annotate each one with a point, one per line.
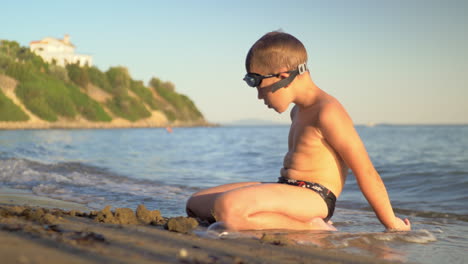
(218, 229)
(319, 224)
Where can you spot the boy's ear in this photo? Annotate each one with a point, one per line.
(284, 75)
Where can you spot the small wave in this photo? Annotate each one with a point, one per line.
(362, 240)
(429, 214)
(418, 236)
(442, 213)
(88, 185)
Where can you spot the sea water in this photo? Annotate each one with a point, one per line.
(425, 170)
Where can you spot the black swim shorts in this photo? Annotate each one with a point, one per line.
(326, 194)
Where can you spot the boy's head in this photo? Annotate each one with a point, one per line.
(275, 50)
(274, 62)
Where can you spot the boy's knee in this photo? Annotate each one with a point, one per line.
(228, 211)
(220, 208)
(188, 209)
(198, 206)
(190, 206)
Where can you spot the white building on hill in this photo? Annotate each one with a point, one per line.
(62, 51)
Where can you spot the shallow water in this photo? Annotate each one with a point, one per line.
(425, 169)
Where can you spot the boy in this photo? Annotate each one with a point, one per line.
(322, 145)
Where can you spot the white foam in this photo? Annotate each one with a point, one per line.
(418, 236)
(82, 184)
(219, 230)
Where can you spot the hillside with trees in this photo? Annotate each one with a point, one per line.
(35, 92)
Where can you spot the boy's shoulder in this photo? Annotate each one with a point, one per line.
(323, 103)
(329, 105)
(326, 104)
(332, 115)
(327, 108)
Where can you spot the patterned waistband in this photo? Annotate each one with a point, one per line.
(318, 188)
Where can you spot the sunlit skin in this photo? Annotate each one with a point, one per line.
(309, 157)
(322, 145)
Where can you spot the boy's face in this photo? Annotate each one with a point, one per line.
(278, 100)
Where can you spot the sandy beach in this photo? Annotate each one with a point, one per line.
(42, 230)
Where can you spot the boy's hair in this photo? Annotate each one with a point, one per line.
(275, 50)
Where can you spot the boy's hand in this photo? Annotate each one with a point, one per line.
(401, 225)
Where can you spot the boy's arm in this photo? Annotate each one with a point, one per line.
(338, 129)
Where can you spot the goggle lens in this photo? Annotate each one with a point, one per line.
(252, 80)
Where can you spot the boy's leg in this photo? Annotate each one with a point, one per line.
(271, 206)
(201, 203)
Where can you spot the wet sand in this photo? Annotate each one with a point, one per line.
(40, 230)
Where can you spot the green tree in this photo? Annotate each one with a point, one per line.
(119, 79)
(144, 94)
(10, 48)
(59, 72)
(128, 107)
(78, 75)
(5, 62)
(99, 79)
(184, 108)
(158, 84)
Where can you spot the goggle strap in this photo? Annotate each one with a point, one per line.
(286, 81)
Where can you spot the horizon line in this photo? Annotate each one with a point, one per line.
(369, 124)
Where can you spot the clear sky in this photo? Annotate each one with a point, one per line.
(386, 61)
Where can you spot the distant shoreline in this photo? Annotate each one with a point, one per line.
(123, 124)
(115, 124)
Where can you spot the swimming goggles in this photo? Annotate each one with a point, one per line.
(255, 79)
